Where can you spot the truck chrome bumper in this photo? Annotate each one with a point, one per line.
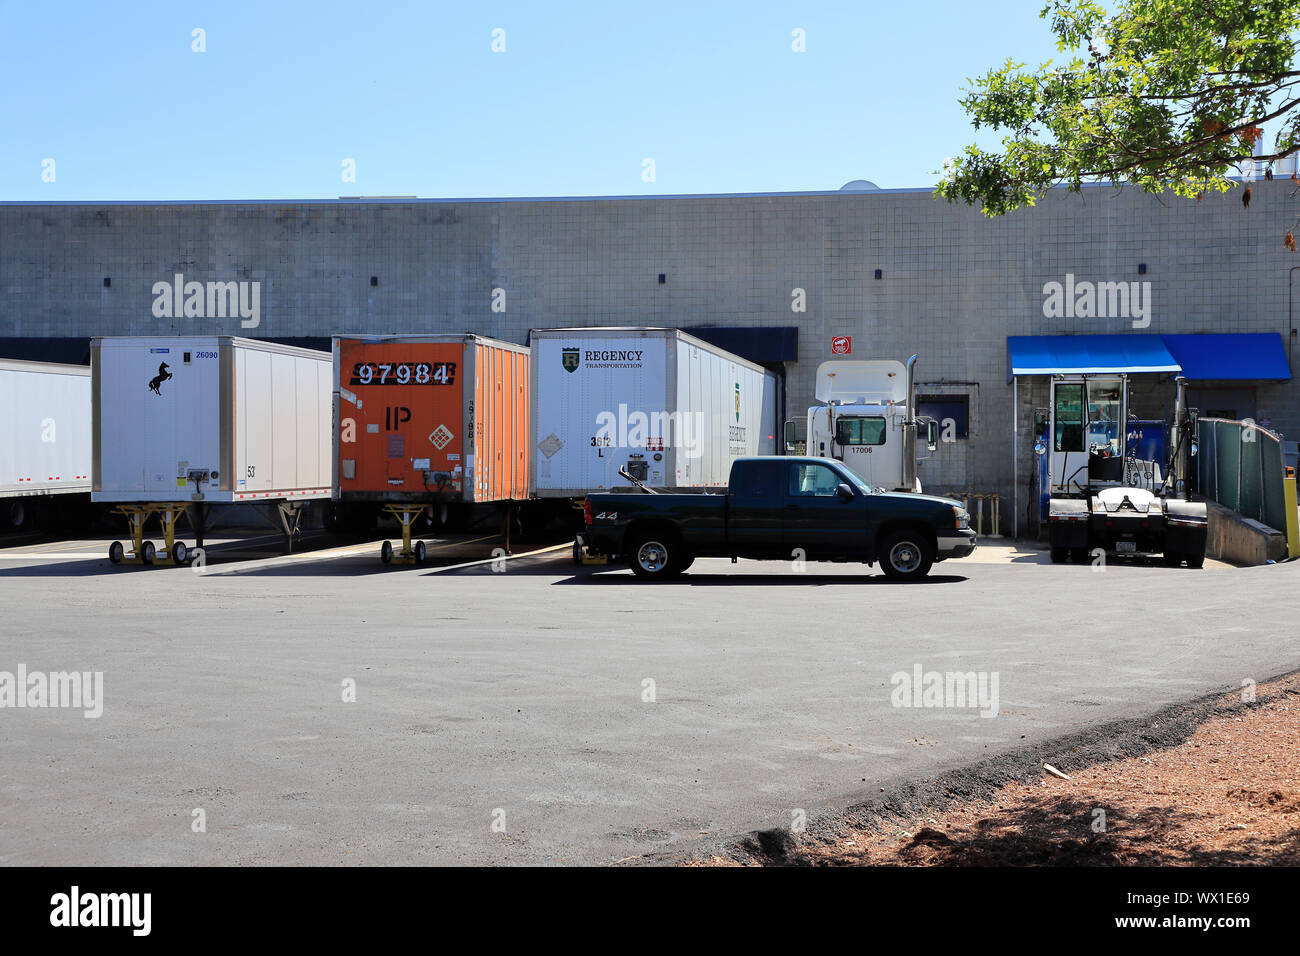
(956, 544)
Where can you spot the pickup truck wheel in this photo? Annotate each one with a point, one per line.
(906, 556)
(654, 557)
(684, 561)
(1060, 555)
(1195, 561)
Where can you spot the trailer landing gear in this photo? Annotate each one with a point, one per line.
(582, 556)
(290, 515)
(405, 515)
(142, 551)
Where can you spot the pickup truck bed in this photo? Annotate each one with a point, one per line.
(779, 508)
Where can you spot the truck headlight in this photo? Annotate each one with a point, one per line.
(962, 517)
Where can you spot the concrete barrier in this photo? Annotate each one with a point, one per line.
(1240, 540)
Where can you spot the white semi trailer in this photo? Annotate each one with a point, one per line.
(867, 420)
(184, 423)
(44, 435)
(661, 406)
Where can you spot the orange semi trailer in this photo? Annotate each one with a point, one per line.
(432, 425)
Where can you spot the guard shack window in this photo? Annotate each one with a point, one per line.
(860, 431)
(1069, 418)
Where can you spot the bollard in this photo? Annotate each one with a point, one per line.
(996, 511)
(1292, 520)
(979, 522)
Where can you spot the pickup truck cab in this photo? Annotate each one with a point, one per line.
(779, 508)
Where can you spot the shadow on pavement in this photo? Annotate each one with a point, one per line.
(753, 580)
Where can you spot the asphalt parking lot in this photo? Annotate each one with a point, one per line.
(531, 711)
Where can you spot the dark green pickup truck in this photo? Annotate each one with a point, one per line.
(779, 508)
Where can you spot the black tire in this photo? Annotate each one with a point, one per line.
(1060, 555)
(147, 551)
(653, 556)
(419, 552)
(386, 552)
(684, 561)
(17, 513)
(180, 553)
(906, 556)
(1195, 561)
(577, 551)
(1172, 559)
(1079, 555)
(115, 552)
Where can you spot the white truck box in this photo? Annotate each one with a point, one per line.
(45, 429)
(673, 409)
(217, 419)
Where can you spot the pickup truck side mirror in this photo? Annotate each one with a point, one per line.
(846, 493)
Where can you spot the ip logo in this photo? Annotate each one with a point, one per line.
(842, 345)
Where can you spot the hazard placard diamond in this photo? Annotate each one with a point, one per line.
(549, 445)
(439, 437)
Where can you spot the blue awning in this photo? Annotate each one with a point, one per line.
(1243, 356)
(1214, 356)
(1062, 354)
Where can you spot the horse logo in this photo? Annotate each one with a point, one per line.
(157, 380)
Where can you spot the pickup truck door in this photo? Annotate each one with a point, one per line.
(756, 509)
(817, 519)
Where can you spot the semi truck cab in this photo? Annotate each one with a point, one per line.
(867, 421)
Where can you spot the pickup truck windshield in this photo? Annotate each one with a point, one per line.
(865, 488)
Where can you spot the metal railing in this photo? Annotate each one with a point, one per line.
(1240, 465)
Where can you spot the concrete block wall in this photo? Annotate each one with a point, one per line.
(953, 284)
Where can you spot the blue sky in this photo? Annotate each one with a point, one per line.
(582, 95)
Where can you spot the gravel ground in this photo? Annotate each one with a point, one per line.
(1228, 794)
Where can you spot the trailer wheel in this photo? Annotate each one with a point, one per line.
(1079, 555)
(1172, 559)
(115, 552)
(1060, 555)
(1195, 561)
(17, 513)
(386, 552)
(906, 556)
(419, 552)
(654, 557)
(180, 553)
(147, 551)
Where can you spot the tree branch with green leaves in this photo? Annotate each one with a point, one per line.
(1167, 95)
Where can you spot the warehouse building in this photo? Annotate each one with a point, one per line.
(1107, 278)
